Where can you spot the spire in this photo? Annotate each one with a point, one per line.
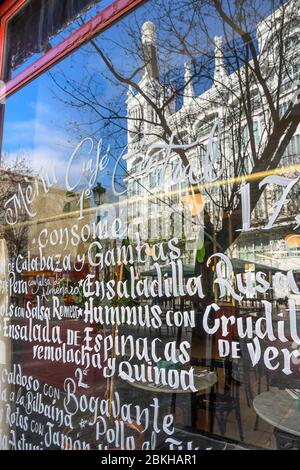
(150, 50)
(220, 71)
(189, 92)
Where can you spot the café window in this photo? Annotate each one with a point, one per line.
(149, 227)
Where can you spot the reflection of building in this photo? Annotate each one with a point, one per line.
(152, 186)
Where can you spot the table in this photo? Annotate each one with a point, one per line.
(279, 409)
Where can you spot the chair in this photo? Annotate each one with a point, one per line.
(220, 404)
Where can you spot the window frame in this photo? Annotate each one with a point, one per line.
(109, 15)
